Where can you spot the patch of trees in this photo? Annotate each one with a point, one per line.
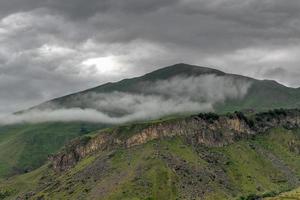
(259, 197)
(85, 139)
(210, 117)
(251, 197)
(272, 114)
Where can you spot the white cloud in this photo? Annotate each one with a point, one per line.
(104, 65)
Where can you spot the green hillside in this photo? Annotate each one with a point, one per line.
(26, 147)
(172, 169)
(264, 95)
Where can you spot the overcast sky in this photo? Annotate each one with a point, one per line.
(50, 48)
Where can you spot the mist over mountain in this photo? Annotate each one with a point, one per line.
(177, 89)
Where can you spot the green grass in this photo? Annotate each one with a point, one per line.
(278, 96)
(249, 171)
(26, 147)
(178, 148)
(292, 195)
(278, 142)
(25, 182)
(147, 177)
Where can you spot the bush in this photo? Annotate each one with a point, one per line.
(210, 117)
(249, 122)
(251, 197)
(4, 194)
(84, 140)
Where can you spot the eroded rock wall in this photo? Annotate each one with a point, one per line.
(202, 129)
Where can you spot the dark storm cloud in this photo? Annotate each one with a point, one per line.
(53, 47)
(79, 9)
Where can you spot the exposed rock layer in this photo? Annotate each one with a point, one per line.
(203, 129)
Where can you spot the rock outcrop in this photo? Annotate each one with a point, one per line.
(203, 129)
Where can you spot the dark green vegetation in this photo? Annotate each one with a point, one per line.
(170, 169)
(27, 146)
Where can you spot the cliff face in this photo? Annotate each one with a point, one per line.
(204, 129)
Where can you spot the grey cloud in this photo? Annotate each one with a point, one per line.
(78, 9)
(44, 43)
(283, 75)
(276, 72)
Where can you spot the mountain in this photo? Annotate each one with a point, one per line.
(203, 156)
(261, 95)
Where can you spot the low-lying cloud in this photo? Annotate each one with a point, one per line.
(161, 98)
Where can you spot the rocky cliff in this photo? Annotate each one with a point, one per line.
(204, 129)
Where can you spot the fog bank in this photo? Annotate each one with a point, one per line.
(161, 98)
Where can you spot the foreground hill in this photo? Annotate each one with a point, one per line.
(205, 156)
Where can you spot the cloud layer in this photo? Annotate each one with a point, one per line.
(53, 47)
(177, 95)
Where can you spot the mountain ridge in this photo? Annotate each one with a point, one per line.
(182, 67)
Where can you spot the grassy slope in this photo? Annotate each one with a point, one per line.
(292, 195)
(26, 147)
(262, 96)
(170, 169)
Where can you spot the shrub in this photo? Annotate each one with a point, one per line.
(210, 117)
(251, 197)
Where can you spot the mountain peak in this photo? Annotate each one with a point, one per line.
(181, 69)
